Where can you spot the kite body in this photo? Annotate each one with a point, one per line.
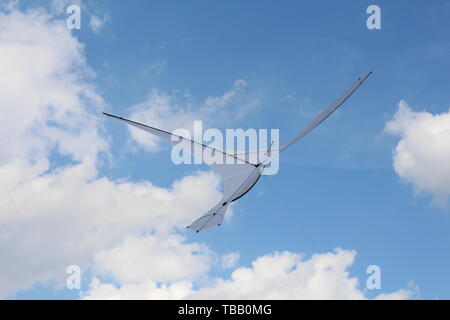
(238, 174)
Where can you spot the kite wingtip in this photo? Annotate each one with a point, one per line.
(196, 231)
(361, 80)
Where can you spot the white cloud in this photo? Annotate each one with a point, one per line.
(289, 98)
(67, 217)
(403, 294)
(144, 290)
(155, 258)
(54, 214)
(9, 5)
(422, 156)
(275, 276)
(96, 23)
(43, 93)
(60, 6)
(230, 260)
(166, 112)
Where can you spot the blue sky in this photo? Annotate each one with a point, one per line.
(335, 188)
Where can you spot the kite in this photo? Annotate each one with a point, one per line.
(238, 174)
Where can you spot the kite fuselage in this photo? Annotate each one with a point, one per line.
(239, 179)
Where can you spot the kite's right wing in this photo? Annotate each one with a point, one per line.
(264, 155)
(328, 111)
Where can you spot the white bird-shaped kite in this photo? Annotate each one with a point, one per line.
(238, 174)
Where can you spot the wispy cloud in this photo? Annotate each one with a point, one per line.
(170, 112)
(96, 23)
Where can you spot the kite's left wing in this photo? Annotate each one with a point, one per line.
(173, 138)
(238, 175)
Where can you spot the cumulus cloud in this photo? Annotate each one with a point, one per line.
(282, 275)
(155, 258)
(47, 102)
(56, 213)
(422, 156)
(230, 260)
(412, 291)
